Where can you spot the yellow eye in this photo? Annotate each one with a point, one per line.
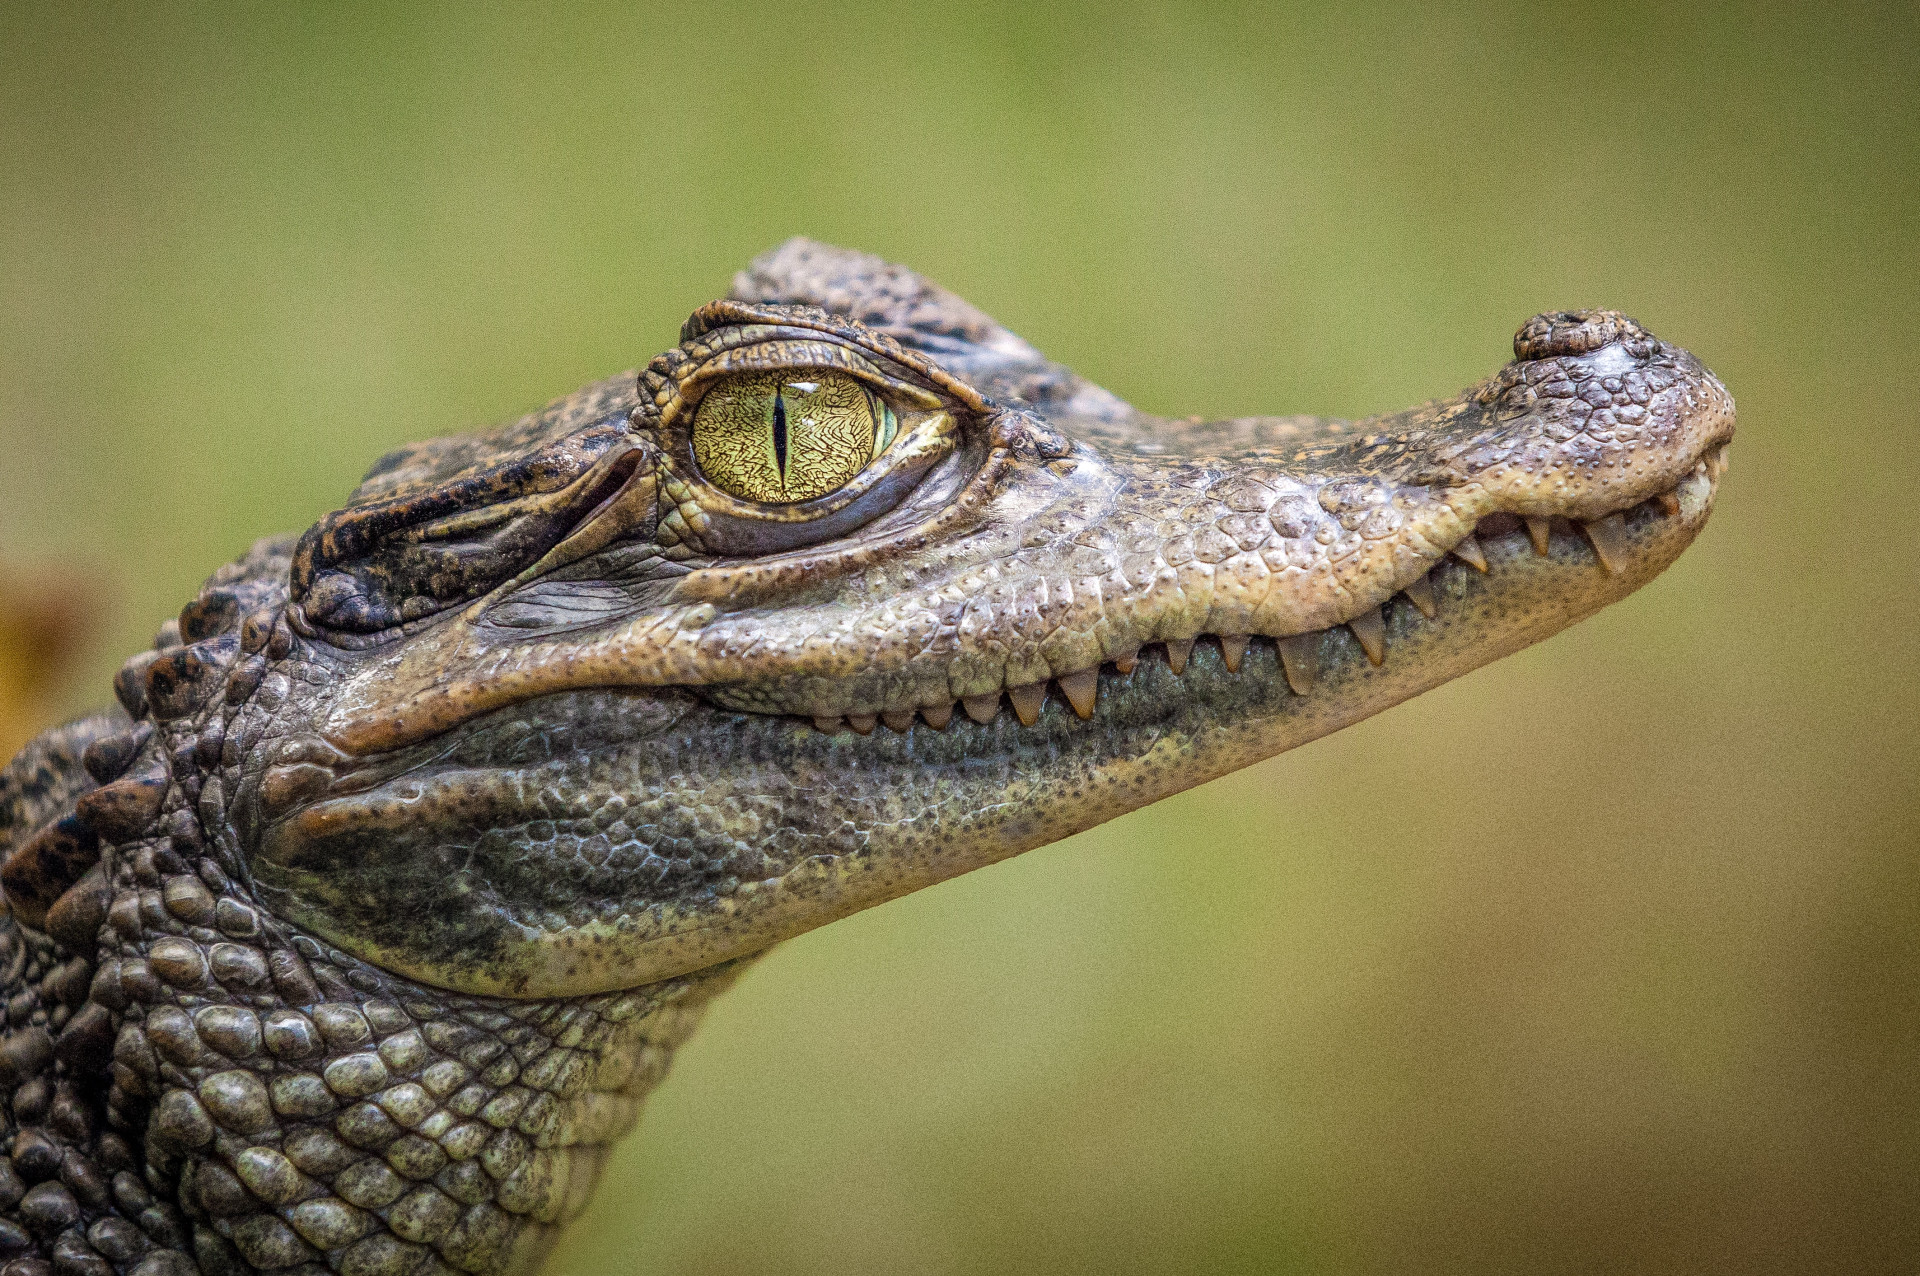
(781, 437)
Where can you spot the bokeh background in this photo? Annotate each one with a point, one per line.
(1604, 958)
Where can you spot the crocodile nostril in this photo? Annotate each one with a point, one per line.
(1573, 332)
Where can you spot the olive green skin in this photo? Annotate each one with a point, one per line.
(359, 936)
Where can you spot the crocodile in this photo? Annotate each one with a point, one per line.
(352, 938)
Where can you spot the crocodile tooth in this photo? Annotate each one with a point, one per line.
(1124, 661)
(1027, 701)
(1372, 633)
(1539, 530)
(1670, 503)
(829, 726)
(1609, 537)
(1468, 552)
(1420, 594)
(982, 709)
(1299, 655)
(1233, 648)
(864, 723)
(898, 719)
(937, 715)
(1081, 690)
(1178, 649)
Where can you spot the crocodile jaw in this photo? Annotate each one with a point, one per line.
(656, 748)
(1158, 733)
(797, 827)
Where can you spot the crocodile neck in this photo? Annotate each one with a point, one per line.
(191, 1085)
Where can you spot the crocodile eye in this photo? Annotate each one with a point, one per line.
(782, 437)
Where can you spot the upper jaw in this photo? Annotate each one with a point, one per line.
(1077, 563)
(1602, 560)
(1094, 558)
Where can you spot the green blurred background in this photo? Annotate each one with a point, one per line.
(1603, 958)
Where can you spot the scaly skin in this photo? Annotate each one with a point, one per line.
(356, 935)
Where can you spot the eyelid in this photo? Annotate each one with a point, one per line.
(796, 356)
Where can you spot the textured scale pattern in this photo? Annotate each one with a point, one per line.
(211, 1093)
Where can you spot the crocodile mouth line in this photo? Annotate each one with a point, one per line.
(1608, 538)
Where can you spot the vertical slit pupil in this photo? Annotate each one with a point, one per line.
(780, 431)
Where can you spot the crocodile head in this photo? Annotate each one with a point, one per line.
(422, 839)
(579, 706)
